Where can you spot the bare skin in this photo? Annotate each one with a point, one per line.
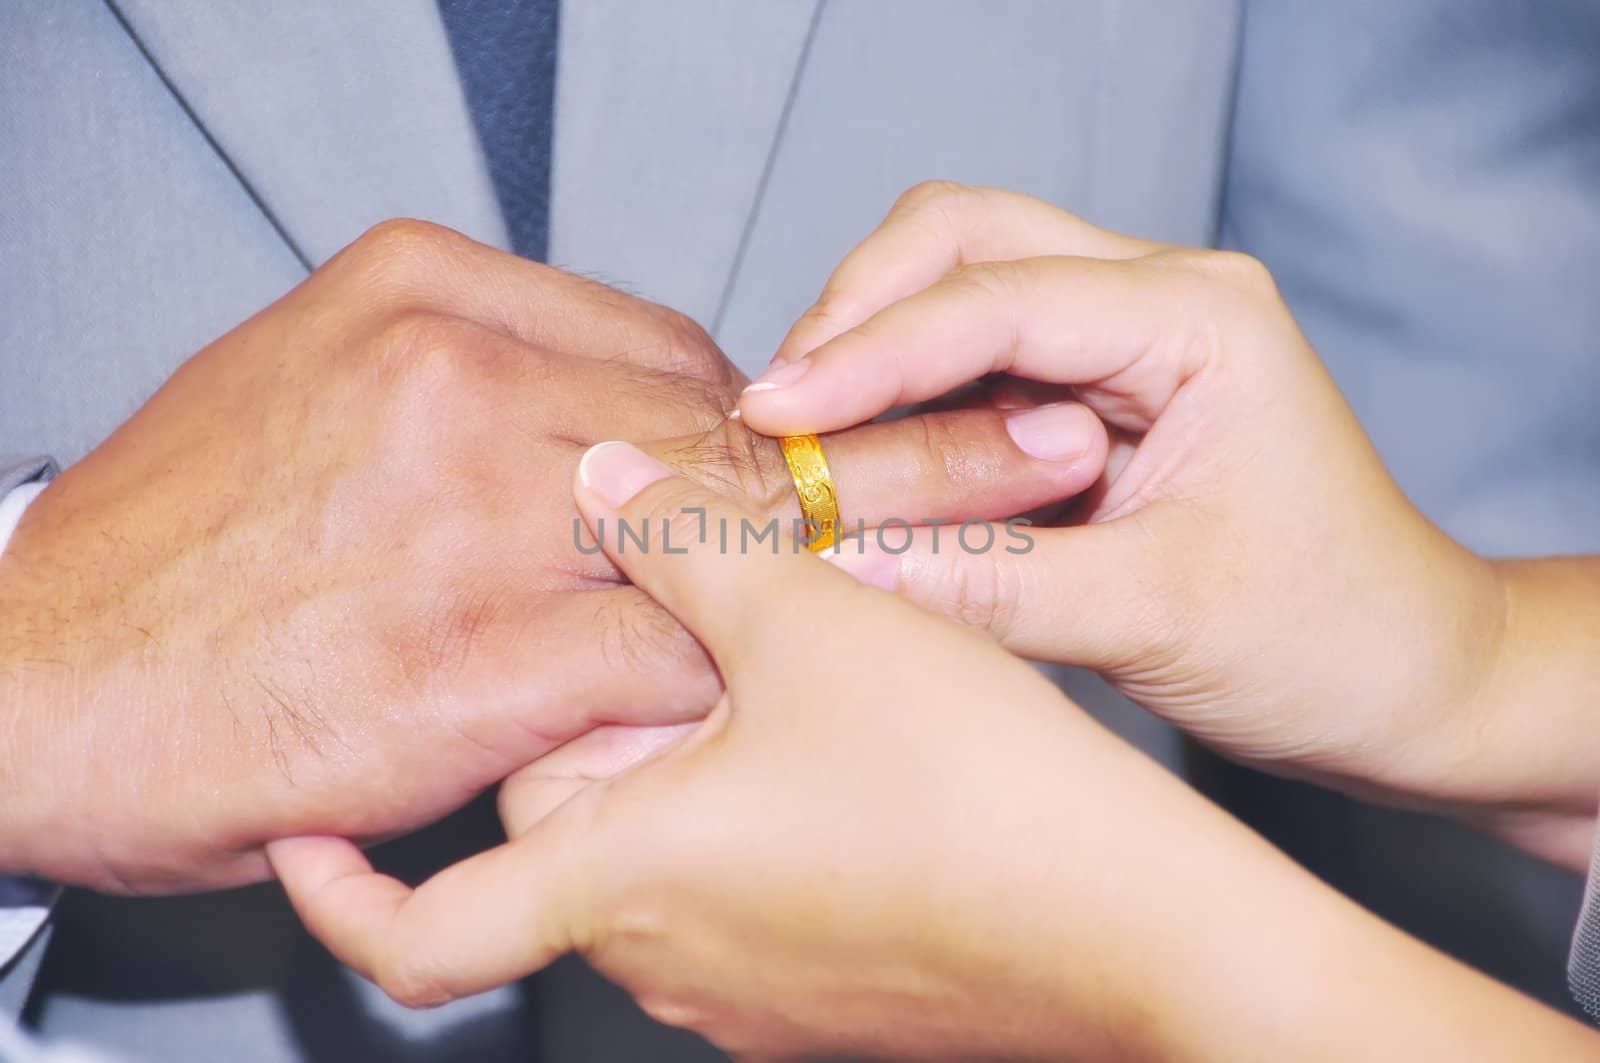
(893, 840)
(324, 580)
(1247, 569)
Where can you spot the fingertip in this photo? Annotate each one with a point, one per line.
(809, 394)
(1056, 432)
(1066, 445)
(831, 386)
(866, 564)
(1094, 459)
(306, 864)
(1089, 467)
(759, 415)
(343, 902)
(778, 375)
(614, 472)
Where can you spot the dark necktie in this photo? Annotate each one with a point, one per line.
(505, 52)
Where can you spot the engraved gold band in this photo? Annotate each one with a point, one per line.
(819, 502)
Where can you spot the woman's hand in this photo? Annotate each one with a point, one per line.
(1247, 569)
(891, 839)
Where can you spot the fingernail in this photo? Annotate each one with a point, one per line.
(872, 567)
(1050, 433)
(617, 471)
(780, 375)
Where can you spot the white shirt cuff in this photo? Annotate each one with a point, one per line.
(12, 505)
(24, 903)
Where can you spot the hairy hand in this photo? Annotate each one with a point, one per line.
(326, 579)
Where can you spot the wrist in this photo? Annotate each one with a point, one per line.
(1526, 753)
(1186, 948)
(1492, 706)
(51, 818)
(21, 751)
(36, 685)
(1437, 656)
(1258, 953)
(1210, 941)
(1296, 971)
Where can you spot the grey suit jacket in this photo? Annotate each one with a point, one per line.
(171, 166)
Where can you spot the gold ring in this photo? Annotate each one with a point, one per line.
(819, 502)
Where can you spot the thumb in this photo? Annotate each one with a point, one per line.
(485, 921)
(726, 574)
(536, 790)
(1091, 596)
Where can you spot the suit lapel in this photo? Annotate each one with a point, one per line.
(334, 116)
(666, 116)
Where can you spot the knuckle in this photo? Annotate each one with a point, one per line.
(427, 349)
(984, 592)
(931, 194)
(828, 316)
(1219, 291)
(945, 453)
(432, 381)
(403, 238)
(1238, 271)
(701, 355)
(676, 1011)
(396, 254)
(639, 636)
(760, 473)
(415, 335)
(736, 462)
(987, 281)
(410, 982)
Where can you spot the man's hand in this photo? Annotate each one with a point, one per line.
(325, 581)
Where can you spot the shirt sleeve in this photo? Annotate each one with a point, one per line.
(25, 903)
(1583, 962)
